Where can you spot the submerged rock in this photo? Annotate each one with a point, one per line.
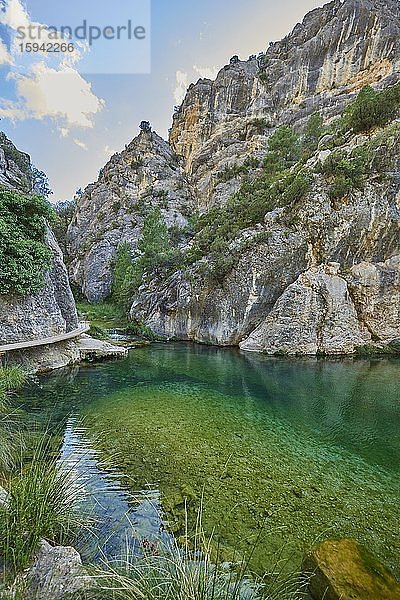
(345, 570)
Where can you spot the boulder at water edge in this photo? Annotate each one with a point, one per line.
(345, 570)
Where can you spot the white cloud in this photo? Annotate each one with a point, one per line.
(15, 15)
(206, 72)
(109, 150)
(5, 57)
(60, 94)
(80, 144)
(181, 86)
(47, 87)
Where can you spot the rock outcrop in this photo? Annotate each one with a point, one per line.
(327, 322)
(49, 313)
(15, 167)
(55, 356)
(56, 573)
(145, 175)
(277, 296)
(345, 570)
(319, 66)
(52, 311)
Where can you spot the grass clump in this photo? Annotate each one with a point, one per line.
(189, 571)
(42, 504)
(103, 315)
(11, 379)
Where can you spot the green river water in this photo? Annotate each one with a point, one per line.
(282, 452)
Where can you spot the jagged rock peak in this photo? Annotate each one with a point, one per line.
(15, 166)
(321, 64)
(145, 175)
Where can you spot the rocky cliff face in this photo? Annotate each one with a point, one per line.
(318, 275)
(319, 66)
(112, 210)
(52, 311)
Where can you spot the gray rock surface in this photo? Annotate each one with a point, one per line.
(15, 166)
(56, 572)
(62, 354)
(49, 313)
(52, 311)
(145, 175)
(314, 315)
(335, 51)
(320, 65)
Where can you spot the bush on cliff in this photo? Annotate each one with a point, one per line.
(24, 255)
(372, 109)
(154, 253)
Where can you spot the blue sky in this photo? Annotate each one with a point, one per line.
(71, 122)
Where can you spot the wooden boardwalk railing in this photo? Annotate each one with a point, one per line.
(83, 328)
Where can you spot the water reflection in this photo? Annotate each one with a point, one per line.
(121, 520)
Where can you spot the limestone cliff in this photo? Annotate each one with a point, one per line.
(318, 66)
(51, 311)
(318, 274)
(112, 210)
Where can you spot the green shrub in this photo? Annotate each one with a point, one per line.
(313, 132)
(284, 149)
(372, 109)
(65, 210)
(259, 125)
(42, 504)
(126, 277)
(340, 188)
(154, 253)
(103, 314)
(136, 163)
(347, 171)
(24, 256)
(98, 332)
(138, 328)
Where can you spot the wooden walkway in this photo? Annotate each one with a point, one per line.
(83, 328)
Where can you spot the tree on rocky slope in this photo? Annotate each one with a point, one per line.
(153, 253)
(24, 255)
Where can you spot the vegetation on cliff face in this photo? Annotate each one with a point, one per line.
(154, 252)
(24, 255)
(285, 177)
(372, 109)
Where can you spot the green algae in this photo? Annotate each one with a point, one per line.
(284, 452)
(279, 452)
